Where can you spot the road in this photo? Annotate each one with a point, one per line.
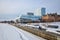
(9, 32)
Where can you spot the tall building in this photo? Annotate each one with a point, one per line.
(43, 11)
(38, 12)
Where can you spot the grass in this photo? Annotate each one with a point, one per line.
(38, 33)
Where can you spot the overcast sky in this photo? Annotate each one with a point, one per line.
(14, 8)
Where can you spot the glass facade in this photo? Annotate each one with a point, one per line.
(31, 17)
(43, 11)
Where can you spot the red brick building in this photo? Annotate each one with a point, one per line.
(53, 17)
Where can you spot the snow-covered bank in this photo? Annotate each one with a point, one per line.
(49, 29)
(45, 26)
(9, 32)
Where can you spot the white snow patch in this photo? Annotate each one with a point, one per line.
(9, 32)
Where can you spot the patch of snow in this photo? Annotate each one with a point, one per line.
(53, 30)
(9, 32)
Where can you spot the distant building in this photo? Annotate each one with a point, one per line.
(30, 13)
(38, 11)
(43, 11)
(30, 18)
(52, 17)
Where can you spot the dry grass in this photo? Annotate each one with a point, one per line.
(39, 33)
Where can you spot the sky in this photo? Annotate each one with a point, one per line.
(10, 9)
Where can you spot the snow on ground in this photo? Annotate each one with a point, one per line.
(9, 32)
(31, 36)
(44, 26)
(53, 30)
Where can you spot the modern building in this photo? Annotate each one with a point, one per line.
(38, 11)
(30, 18)
(43, 11)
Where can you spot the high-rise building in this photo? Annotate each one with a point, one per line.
(43, 11)
(38, 12)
